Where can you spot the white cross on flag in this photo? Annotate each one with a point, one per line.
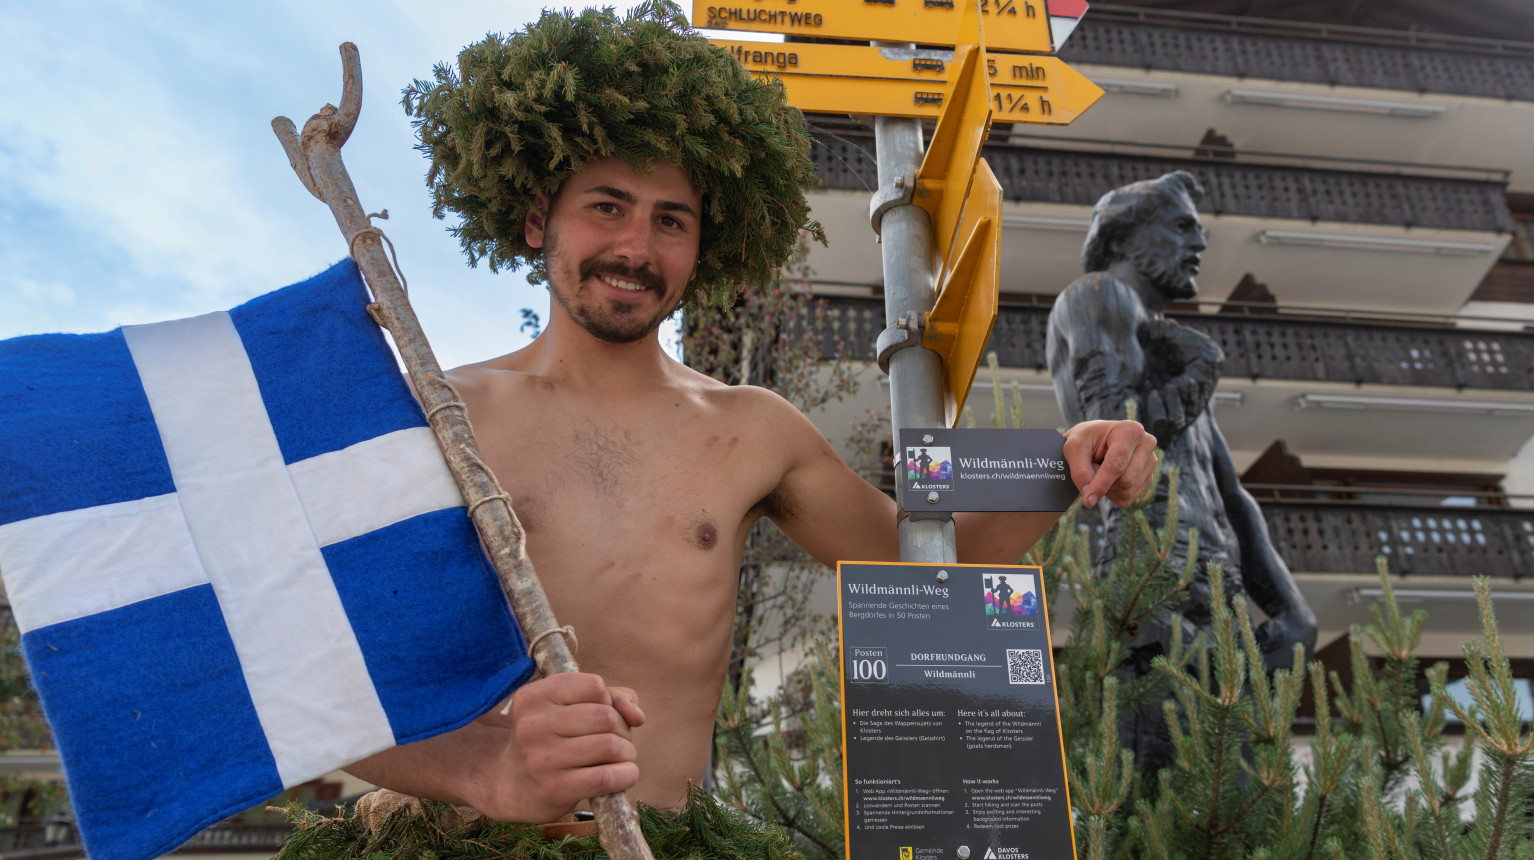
(237, 560)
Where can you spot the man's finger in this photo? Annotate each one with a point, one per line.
(574, 688)
(1118, 448)
(1137, 484)
(573, 786)
(587, 718)
(626, 701)
(1080, 456)
(586, 751)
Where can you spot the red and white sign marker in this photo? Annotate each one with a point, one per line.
(1064, 15)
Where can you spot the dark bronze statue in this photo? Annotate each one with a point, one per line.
(1109, 344)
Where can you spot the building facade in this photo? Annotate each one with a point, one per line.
(1369, 169)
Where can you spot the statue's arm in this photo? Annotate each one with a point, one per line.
(1266, 577)
(1188, 368)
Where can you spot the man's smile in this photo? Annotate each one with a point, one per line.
(621, 284)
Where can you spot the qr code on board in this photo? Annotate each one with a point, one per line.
(1025, 665)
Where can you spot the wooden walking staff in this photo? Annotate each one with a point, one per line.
(316, 158)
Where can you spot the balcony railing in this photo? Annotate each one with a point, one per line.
(1305, 189)
(1346, 56)
(47, 841)
(239, 836)
(1334, 537)
(1264, 346)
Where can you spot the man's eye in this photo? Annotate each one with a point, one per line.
(606, 208)
(669, 221)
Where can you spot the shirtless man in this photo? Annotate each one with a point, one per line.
(646, 479)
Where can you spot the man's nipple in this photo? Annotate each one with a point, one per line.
(705, 535)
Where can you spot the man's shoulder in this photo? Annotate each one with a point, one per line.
(751, 402)
(483, 377)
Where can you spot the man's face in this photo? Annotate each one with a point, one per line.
(1166, 250)
(620, 247)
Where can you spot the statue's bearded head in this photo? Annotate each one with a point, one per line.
(1154, 225)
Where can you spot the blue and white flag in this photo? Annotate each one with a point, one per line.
(237, 560)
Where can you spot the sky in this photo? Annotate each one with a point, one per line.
(140, 179)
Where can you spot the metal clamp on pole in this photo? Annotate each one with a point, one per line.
(904, 334)
(888, 197)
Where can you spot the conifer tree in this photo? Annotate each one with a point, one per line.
(1380, 783)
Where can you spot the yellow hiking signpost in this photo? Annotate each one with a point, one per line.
(964, 90)
(863, 79)
(959, 324)
(963, 201)
(1010, 25)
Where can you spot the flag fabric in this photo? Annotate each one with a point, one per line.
(1064, 15)
(237, 560)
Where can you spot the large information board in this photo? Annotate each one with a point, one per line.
(950, 728)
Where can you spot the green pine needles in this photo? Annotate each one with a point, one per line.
(1380, 783)
(522, 113)
(781, 762)
(702, 830)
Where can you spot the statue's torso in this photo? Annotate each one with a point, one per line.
(1102, 363)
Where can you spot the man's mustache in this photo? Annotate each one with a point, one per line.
(645, 277)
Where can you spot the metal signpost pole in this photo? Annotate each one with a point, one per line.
(916, 374)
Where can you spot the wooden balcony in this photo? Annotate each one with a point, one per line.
(1230, 46)
(1264, 185)
(239, 837)
(1321, 536)
(1266, 346)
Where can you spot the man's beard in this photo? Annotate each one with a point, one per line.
(1165, 273)
(610, 321)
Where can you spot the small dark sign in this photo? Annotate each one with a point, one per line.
(983, 470)
(950, 729)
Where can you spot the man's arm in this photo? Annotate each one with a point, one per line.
(567, 738)
(834, 515)
(1266, 577)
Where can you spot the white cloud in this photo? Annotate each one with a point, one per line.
(140, 179)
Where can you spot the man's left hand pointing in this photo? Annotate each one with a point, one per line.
(1116, 459)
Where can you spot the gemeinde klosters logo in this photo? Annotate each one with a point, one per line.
(929, 467)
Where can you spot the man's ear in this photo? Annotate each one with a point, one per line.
(537, 221)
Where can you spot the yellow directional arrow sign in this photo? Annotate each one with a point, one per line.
(901, 82)
(960, 322)
(1010, 25)
(943, 180)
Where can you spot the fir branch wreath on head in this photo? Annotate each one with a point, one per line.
(521, 113)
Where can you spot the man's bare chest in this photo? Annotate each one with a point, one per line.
(616, 487)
